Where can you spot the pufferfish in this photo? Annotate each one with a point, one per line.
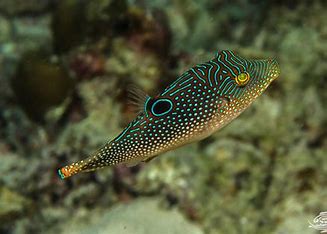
(198, 103)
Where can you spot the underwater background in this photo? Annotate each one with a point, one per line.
(65, 68)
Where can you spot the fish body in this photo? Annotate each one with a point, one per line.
(198, 103)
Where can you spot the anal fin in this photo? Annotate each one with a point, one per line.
(150, 159)
(133, 162)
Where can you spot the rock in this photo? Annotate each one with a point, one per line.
(141, 68)
(12, 205)
(75, 22)
(15, 7)
(103, 120)
(12, 168)
(143, 216)
(30, 34)
(68, 25)
(5, 30)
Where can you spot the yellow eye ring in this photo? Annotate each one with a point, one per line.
(242, 78)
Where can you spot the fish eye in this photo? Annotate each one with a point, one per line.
(161, 107)
(242, 78)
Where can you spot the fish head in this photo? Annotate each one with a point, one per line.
(248, 78)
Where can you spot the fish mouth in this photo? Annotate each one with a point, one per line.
(274, 69)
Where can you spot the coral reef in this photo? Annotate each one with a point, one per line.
(20, 7)
(263, 173)
(76, 22)
(144, 213)
(36, 94)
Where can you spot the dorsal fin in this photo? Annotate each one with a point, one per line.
(136, 98)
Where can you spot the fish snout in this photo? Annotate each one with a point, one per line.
(274, 69)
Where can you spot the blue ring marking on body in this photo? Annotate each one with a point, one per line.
(123, 133)
(231, 70)
(231, 64)
(216, 72)
(227, 87)
(198, 76)
(184, 75)
(202, 72)
(173, 85)
(202, 66)
(134, 130)
(168, 89)
(185, 81)
(143, 122)
(161, 100)
(135, 123)
(176, 91)
(209, 74)
(222, 85)
(145, 104)
(233, 90)
(233, 58)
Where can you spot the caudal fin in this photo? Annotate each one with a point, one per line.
(99, 159)
(69, 170)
